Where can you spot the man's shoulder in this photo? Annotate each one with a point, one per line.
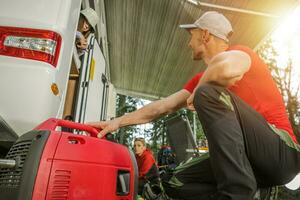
(253, 55)
(241, 48)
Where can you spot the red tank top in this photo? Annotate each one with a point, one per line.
(258, 89)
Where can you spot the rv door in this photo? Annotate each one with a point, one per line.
(92, 87)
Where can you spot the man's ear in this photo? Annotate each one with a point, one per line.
(205, 36)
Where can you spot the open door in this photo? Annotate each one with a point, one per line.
(87, 92)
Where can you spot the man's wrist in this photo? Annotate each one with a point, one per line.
(118, 121)
(123, 120)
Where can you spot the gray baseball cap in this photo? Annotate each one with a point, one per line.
(216, 23)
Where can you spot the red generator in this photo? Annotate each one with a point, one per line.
(46, 164)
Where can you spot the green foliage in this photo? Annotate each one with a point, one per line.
(287, 80)
(286, 194)
(288, 85)
(126, 104)
(157, 135)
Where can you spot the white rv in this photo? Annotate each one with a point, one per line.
(41, 75)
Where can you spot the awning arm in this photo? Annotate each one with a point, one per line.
(250, 12)
(137, 94)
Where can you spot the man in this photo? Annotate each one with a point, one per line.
(251, 142)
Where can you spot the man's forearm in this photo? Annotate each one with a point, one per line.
(155, 109)
(143, 115)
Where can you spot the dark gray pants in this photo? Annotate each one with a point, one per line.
(244, 152)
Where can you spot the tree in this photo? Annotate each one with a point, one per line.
(287, 80)
(126, 104)
(158, 134)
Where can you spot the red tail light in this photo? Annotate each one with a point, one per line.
(32, 44)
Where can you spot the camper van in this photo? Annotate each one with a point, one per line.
(41, 74)
(44, 80)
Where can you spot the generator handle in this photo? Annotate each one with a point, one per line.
(52, 123)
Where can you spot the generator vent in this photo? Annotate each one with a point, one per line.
(61, 184)
(11, 178)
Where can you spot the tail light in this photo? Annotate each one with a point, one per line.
(35, 44)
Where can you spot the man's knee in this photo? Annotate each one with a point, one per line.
(206, 93)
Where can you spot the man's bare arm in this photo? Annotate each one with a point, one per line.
(226, 68)
(156, 109)
(145, 114)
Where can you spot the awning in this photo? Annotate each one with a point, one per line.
(148, 52)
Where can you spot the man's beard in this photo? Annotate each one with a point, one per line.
(198, 56)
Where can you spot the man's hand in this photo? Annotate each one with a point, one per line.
(106, 126)
(190, 102)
